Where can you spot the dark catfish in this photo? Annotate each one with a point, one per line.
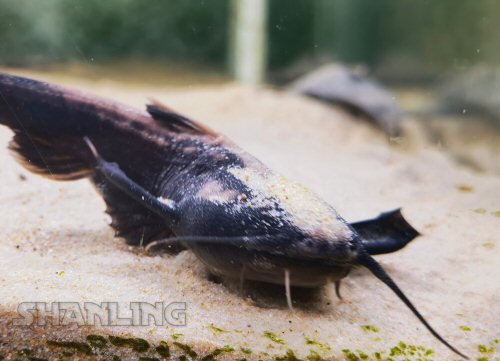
(170, 181)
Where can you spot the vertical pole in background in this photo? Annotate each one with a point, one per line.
(324, 29)
(249, 40)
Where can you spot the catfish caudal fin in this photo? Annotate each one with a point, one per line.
(367, 261)
(387, 233)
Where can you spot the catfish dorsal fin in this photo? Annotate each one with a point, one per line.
(174, 121)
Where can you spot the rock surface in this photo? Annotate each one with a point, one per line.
(56, 246)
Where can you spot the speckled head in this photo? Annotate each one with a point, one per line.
(323, 232)
(308, 244)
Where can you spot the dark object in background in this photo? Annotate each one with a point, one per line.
(475, 91)
(348, 88)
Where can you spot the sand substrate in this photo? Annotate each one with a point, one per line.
(56, 246)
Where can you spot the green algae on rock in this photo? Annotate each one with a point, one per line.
(187, 349)
(273, 337)
(163, 349)
(80, 347)
(371, 328)
(217, 329)
(97, 341)
(136, 344)
(212, 356)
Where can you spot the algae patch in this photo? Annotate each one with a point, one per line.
(163, 349)
(80, 347)
(322, 346)
(246, 351)
(136, 344)
(273, 337)
(217, 329)
(314, 356)
(370, 328)
(97, 341)
(177, 336)
(217, 352)
(187, 349)
(289, 356)
(465, 188)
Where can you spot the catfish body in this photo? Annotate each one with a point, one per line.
(169, 180)
(218, 189)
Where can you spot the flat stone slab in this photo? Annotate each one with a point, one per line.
(56, 246)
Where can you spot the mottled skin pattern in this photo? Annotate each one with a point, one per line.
(164, 176)
(171, 163)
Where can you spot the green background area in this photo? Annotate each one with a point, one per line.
(417, 36)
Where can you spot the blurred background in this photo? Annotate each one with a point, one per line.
(410, 41)
(439, 59)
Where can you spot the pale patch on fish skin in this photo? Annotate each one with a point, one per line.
(189, 150)
(214, 192)
(167, 201)
(301, 206)
(248, 160)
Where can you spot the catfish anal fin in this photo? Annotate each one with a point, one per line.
(137, 215)
(387, 233)
(132, 221)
